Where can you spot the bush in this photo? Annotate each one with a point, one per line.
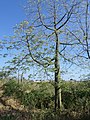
(11, 88)
(37, 98)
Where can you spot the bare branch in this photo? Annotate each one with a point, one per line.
(69, 13)
(46, 26)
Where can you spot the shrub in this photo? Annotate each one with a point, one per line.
(11, 88)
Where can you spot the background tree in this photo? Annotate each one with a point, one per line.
(4, 74)
(81, 33)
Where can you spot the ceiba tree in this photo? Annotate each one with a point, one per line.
(41, 41)
(51, 16)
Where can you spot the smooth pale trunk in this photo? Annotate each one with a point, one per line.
(58, 102)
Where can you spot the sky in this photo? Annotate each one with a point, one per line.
(12, 13)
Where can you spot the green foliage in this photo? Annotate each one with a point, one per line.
(11, 88)
(7, 117)
(4, 74)
(37, 99)
(76, 95)
(39, 96)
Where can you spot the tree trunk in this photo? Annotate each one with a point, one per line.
(58, 103)
(18, 76)
(21, 77)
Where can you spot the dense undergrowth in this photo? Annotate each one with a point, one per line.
(38, 101)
